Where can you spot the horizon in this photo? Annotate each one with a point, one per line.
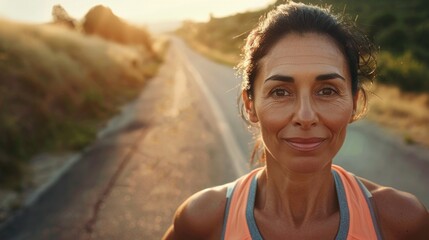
(140, 12)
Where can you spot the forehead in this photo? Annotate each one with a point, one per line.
(305, 52)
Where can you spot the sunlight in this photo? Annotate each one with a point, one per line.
(132, 10)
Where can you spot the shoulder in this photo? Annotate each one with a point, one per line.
(201, 215)
(401, 215)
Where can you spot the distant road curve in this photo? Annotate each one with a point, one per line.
(369, 151)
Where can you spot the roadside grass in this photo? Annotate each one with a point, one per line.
(406, 114)
(216, 55)
(57, 88)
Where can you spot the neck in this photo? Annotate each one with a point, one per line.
(298, 197)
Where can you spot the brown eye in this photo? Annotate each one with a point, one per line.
(326, 92)
(280, 92)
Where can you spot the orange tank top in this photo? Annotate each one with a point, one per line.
(357, 217)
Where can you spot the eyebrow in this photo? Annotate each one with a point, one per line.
(323, 77)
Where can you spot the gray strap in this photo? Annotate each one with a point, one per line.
(343, 229)
(251, 223)
(370, 202)
(229, 193)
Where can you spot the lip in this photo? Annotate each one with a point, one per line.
(305, 144)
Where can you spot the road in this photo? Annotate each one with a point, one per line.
(184, 134)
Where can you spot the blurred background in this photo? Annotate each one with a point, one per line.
(67, 68)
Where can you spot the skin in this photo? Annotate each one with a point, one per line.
(302, 102)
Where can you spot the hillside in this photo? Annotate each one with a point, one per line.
(58, 86)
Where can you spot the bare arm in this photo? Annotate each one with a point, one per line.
(200, 216)
(401, 214)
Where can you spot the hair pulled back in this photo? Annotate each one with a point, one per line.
(300, 18)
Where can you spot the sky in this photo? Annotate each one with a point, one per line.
(138, 11)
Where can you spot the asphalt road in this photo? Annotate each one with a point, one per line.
(105, 195)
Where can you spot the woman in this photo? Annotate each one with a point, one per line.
(303, 70)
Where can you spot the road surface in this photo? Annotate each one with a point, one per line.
(183, 135)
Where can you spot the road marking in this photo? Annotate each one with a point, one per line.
(234, 151)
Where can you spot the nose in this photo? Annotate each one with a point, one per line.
(305, 115)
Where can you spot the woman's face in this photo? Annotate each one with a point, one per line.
(302, 102)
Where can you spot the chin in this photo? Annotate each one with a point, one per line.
(300, 164)
(306, 165)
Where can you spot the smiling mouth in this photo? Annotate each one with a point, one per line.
(304, 144)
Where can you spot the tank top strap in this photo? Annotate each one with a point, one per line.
(344, 226)
(363, 223)
(371, 205)
(235, 225)
(229, 193)
(250, 205)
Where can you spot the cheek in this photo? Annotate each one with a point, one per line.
(337, 114)
(273, 117)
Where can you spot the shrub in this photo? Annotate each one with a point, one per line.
(394, 39)
(421, 35)
(380, 22)
(403, 71)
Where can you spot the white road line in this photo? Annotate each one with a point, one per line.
(231, 144)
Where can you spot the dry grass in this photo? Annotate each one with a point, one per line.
(230, 59)
(404, 113)
(57, 87)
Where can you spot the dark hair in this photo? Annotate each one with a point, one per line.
(300, 18)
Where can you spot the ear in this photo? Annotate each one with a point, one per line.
(355, 101)
(249, 106)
